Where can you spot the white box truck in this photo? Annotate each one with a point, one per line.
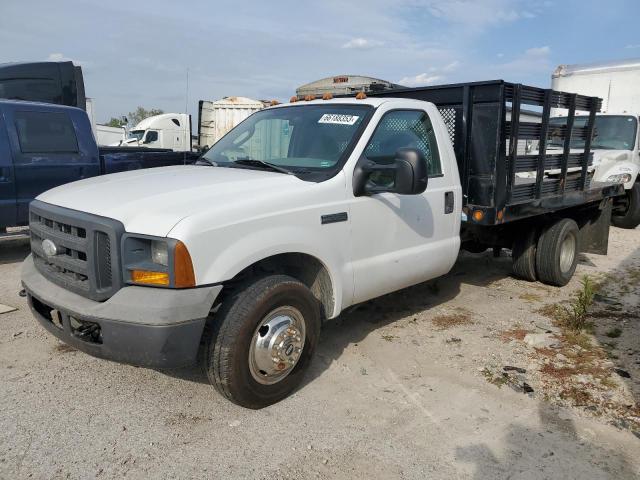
(615, 142)
(216, 118)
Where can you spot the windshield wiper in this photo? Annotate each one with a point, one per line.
(260, 163)
(205, 161)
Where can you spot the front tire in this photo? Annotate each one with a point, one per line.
(261, 340)
(630, 219)
(557, 253)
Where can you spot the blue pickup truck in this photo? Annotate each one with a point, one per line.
(45, 145)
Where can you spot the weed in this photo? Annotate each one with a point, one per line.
(609, 383)
(614, 333)
(497, 379)
(578, 396)
(389, 338)
(573, 317)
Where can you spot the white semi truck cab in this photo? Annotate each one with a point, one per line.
(168, 130)
(299, 212)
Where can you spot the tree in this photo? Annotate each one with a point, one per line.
(116, 122)
(141, 113)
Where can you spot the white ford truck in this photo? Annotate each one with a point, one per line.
(299, 212)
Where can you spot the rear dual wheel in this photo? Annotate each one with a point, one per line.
(550, 256)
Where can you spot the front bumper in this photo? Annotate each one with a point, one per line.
(143, 326)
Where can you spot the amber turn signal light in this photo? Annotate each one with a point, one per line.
(145, 277)
(184, 277)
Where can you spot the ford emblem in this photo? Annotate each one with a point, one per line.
(49, 248)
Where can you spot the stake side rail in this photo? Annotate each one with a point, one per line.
(502, 176)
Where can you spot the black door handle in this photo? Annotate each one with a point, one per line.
(449, 202)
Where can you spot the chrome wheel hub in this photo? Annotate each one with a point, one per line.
(276, 345)
(567, 253)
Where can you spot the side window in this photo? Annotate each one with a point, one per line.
(45, 132)
(152, 136)
(400, 129)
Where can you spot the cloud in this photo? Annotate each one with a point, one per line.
(538, 51)
(632, 46)
(56, 57)
(362, 43)
(420, 80)
(477, 15)
(450, 67)
(59, 57)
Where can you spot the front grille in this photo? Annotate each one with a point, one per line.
(86, 261)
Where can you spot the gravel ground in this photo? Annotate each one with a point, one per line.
(398, 390)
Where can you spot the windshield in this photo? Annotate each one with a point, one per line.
(137, 134)
(611, 132)
(298, 138)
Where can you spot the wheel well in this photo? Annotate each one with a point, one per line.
(301, 266)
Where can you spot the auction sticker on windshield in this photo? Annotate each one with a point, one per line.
(339, 119)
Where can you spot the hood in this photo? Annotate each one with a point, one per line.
(610, 155)
(152, 201)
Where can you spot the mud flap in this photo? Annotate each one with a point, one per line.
(594, 232)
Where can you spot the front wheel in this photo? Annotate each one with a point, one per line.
(261, 340)
(629, 217)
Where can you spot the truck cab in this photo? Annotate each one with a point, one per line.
(307, 208)
(41, 146)
(169, 130)
(616, 158)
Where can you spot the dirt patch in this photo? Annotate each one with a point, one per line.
(456, 319)
(530, 297)
(64, 348)
(514, 334)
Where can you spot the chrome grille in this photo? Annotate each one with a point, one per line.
(84, 262)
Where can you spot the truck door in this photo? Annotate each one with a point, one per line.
(51, 148)
(152, 139)
(402, 240)
(7, 183)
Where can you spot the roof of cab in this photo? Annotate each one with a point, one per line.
(373, 101)
(24, 103)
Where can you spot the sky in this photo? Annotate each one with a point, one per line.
(142, 52)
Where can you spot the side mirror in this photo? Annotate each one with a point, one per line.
(407, 175)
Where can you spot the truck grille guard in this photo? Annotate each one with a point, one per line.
(76, 250)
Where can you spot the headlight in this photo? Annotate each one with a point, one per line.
(160, 252)
(161, 262)
(619, 178)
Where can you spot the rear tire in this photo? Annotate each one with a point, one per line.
(264, 319)
(630, 219)
(524, 255)
(557, 253)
